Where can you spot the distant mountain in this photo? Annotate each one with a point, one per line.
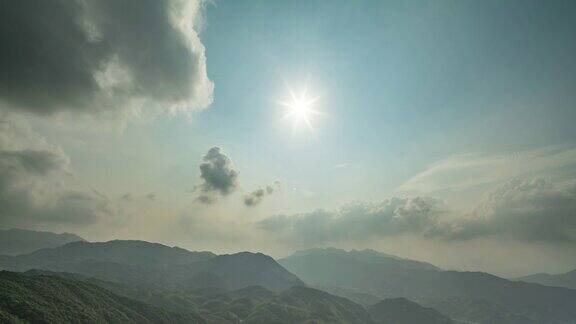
(49, 299)
(404, 311)
(246, 269)
(19, 241)
(567, 280)
(366, 271)
(477, 310)
(491, 299)
(157, 265)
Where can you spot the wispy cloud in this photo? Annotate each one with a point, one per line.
(468, 171)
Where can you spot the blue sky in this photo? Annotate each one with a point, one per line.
(403, 84)
(444, 124)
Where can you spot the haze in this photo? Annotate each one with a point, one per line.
(441, 131)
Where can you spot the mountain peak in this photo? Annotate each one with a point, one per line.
(16, 241)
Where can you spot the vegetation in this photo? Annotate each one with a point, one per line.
(51, 299)
(396, 310)
(147, 264)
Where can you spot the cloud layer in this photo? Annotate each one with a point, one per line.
(359, 221)
(102, 56)
(524, 210)
(218, 176)
(34, 183)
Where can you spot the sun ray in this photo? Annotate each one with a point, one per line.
(300, 108)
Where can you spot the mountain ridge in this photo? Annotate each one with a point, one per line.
(17, 241)
(154, 264)
(566, 280)
(491, 299)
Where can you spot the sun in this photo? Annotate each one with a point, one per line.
(300, 109)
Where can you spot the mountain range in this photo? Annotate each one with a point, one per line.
(138, 281)
(45, 297)
(19, 241)
(566, 280)
(157, 265)
(466, 296)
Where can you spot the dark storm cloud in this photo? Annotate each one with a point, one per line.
(528, 210)
(256, 196)
(217, 175)
(33, 186)
(93, 56)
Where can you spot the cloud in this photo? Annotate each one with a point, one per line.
(33, 183)
(522, 210)
(217, 175)
(359, 221)
(256, 196)
(470, 171)
(102, 56)
(525, 210)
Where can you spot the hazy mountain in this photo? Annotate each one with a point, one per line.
(494, 297)
(49, 299)
(567, 280)
(404, 311)
(18, 241)
(473, 310)
(157, 265)
(365, 271)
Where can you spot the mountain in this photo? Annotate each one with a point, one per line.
(258, 305)
(155, 265)
(306, 305)
(567, 280)
(18, 241)
(490, 299)
(404, 311)
(49, 299)
(366, 271)
(39, 296)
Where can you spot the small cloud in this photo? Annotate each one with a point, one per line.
(340, 166)
(217, 175)
(256, 196)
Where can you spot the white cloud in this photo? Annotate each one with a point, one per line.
(471, 171)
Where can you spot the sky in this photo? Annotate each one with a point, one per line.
(440, 130)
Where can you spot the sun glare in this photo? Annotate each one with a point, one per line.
(300, 109)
